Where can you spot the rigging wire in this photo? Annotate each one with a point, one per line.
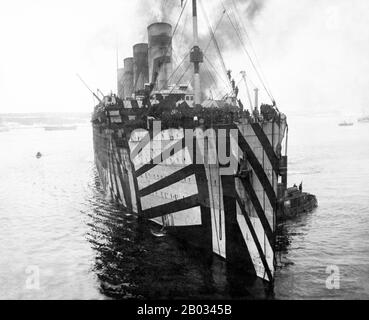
(247, 52)
(183, 33)
(223, 96)
(175, 71)
(237, 10)
(207, 47)
(215, 30)
(174, 31)
(181, 63)
(211, 76)
(179, 19)
(184, 73)
(216, 71)
(213, 38)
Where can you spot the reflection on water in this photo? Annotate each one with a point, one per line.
(132, 263)
(55, 216)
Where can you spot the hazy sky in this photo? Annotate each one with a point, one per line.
(313, 52)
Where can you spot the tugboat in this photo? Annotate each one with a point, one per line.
(295, 202)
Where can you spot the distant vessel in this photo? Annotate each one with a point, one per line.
(364, 119)
(38, 155)
(346, 124)
(60, 128)
(2, 128)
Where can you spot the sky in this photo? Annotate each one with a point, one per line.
(314, 53)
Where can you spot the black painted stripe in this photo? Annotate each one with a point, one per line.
(204, 197)
(265, 143)
(116, 180)
(258, 208)
(141, 144)
(237, 253)
(111, 185)
(144, 169)
(256, 240)
(166, 154)
(171, 207)
(125, 181)
(113, 175)
(113, 166)
(125, 185)
(134, 178)
(135, 183)
(260, 173)
(169, 180)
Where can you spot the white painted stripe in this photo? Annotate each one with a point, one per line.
(173, 192)
(216, 204)
(254, 143)
(251, 246)
(163, 170)
(262, 238)
(188, 217)
(120, 188)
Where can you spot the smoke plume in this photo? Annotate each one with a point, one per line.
(225, 17)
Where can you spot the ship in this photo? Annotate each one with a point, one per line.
(60, 128)
(207, 171)
(346, 124)
(364, 119)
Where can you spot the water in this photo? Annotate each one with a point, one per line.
(333, 163)
(56, 225)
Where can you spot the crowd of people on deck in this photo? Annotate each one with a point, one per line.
(182, 114)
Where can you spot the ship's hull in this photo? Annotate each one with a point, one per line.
(187, 188)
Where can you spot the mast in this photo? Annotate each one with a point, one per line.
(247, 89)
(117, 61)
(117, 70)
(256, 99)
(196, 55)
